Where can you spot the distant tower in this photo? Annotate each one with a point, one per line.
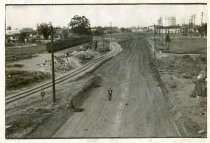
(169, 21)
(194, 16)
(191, 20)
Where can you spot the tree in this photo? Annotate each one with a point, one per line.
(122, 29)
(9, 27)
(44, 29)
(65, 33)
(22, 37)
(203, 30)
(80, 25)
(167, 40)
(99, 31)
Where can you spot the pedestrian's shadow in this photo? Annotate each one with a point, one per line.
(79, 110)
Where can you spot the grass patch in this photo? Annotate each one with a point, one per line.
(104, 49)
(185, 45)
(17, 79)
(27, 120)
(16, 54)
(15, 66)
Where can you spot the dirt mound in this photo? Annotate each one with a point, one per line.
(62, 64)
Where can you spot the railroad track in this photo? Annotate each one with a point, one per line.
(87, 67)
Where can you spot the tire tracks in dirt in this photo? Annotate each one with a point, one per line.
(138, 107)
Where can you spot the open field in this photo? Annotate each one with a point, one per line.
(189, 45)
(15, 54)
(185, 45)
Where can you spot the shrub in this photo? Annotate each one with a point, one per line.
(16, 78)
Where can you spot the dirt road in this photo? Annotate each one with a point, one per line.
(138, 107)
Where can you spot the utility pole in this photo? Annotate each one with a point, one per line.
(201, 18)
(194, 19)
(201, 22)
(159, 33)
(154, 44)
(110, 31)
(191, 25)
(52, 59)
(162, 35)
(103, 40)
(194, 23)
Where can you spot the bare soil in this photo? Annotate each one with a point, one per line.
(187, 57)
(24, 119)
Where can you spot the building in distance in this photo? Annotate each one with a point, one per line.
(167, 21)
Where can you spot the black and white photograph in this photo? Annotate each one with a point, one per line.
(105, 70)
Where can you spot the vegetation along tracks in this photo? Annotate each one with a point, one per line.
(86, 67)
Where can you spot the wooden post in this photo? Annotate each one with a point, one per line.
(52, 59)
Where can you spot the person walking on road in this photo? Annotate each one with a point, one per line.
(110, 94)
(72, 105)
(42, 93)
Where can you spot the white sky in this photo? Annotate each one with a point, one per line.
(120, 15)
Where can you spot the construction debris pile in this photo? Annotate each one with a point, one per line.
(61, 65)
(200, 85)
(69, 60)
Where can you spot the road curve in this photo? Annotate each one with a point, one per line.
(138, 107)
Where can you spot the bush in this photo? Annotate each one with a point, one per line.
(15, 65)
(16, 78)
(84, 56)
(104, 49)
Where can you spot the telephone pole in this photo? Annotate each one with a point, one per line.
(154, 43)
(110, 31)
(103, 40)
(201, 18)
(52, 59)
(162, 35)
(194, 16)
